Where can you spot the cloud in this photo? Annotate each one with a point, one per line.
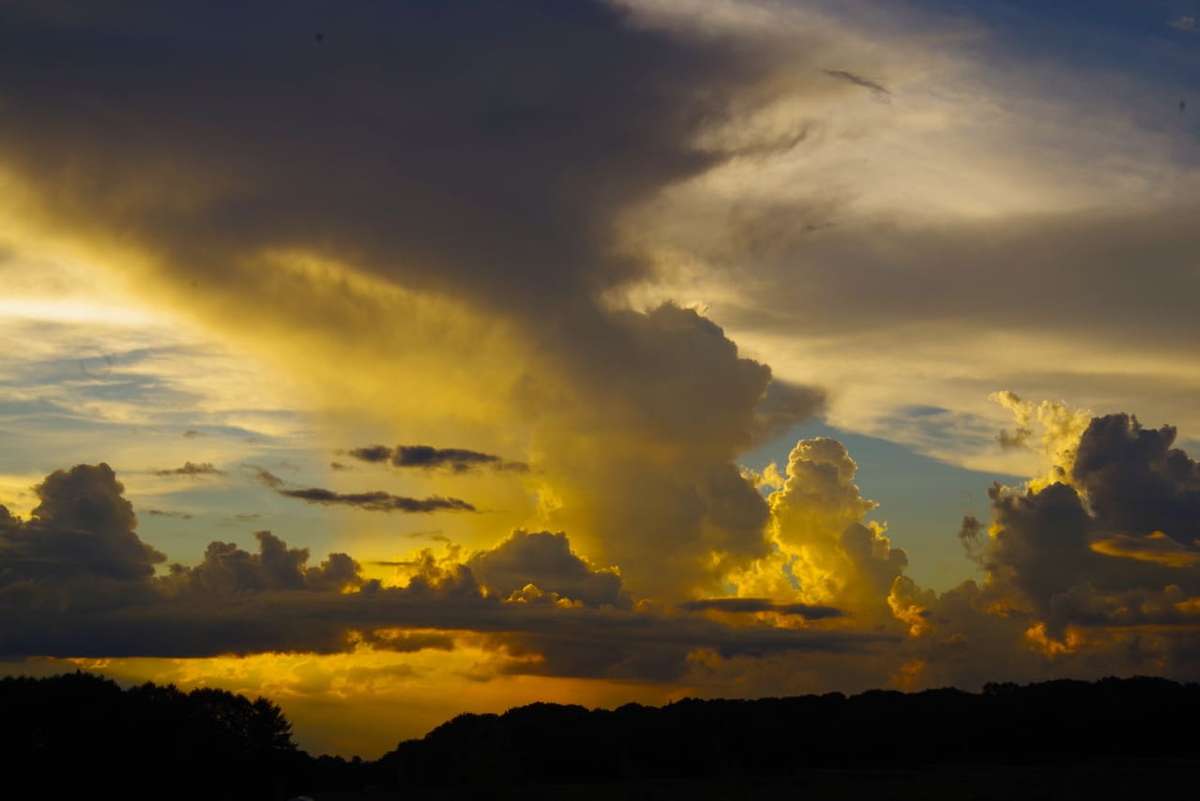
(1135, 481)
(1093, 573)
(825, 553)
(192, 469)
(858, 80)
(226, 570)
(266, 477)
(1154, 547)
(108, 602)
(457, 460)
(377, 501)
(1012, 200)
(372, 453)
(82, 528)
(169, 513)
(464, 242)
(373, 501)
(545, 560)
(755, 605)
(1187, 24)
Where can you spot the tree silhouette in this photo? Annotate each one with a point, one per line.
(78, 733)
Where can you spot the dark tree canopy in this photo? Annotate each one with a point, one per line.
(82, 734)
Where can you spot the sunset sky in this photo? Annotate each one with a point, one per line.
(396, 360)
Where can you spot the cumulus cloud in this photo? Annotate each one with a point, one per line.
(82, 527)
(825, 553)
(76, 580)
(546, 560)
(1094, 573)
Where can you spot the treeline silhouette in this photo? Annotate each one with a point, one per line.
(81, 732)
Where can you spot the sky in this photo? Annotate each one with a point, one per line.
(400, 360)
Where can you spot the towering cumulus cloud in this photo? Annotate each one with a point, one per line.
(1097, 572)
(418, 214)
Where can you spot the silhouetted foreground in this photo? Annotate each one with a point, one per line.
(79, 733)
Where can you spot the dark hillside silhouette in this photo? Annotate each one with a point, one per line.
(80, 733)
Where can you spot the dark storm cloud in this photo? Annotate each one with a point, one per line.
(1136, 482)
(752, 605)
(76, 580)
(82, 527)
(1114, 547)
(377, 501)
(527, 125)
(192, 469)
(458, 460)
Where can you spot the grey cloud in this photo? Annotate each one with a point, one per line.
(858, 80)
(785, 405)
(373, 501)
(372, 453)
(1016, 439)
(485, 153)
(974, 275)
(266, 477)
(239, 602)
(169, 513)
(82, 528)
(191, 469)
(459, 460)
(227, 569)
(534, 162)
(377, 501)
(1110, 551)
(752, 605)
(545, 560)
(1135, 481)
